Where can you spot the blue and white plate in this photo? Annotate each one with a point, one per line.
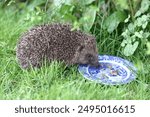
(112, 71)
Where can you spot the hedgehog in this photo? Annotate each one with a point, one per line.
(56, 42)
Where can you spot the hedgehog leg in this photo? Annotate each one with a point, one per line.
(24, 64)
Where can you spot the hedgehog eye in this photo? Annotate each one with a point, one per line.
(89, 57)
(80, 48)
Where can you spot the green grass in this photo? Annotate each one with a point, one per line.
(57, 82)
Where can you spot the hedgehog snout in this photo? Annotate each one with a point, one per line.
(95, 63)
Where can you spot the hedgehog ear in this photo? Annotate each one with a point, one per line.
(80, 48)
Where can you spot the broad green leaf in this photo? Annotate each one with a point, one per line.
(65, 9)
(69, 17)
(35, 3)
(112, 22)
(66, 13)
(88, 18)
(85, 2)
(130, 49)
(122, 3)
(58, 3)
(88, 1)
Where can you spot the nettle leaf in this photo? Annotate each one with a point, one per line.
(138, 13)
(124, 42)
(144, 7)
(130, 49)
(133, 38)
(139, 34)
(126, 34)
(112, 22)
(88, 18)
(129, 40)
(142, 21)
(145, 19)
(144, 25)
(146, 35)
(148, 48)
(138, 22)
(131, 27)
(127, 19)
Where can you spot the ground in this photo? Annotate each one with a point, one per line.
(57, 82)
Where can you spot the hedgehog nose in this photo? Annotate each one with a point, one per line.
(97, 64)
